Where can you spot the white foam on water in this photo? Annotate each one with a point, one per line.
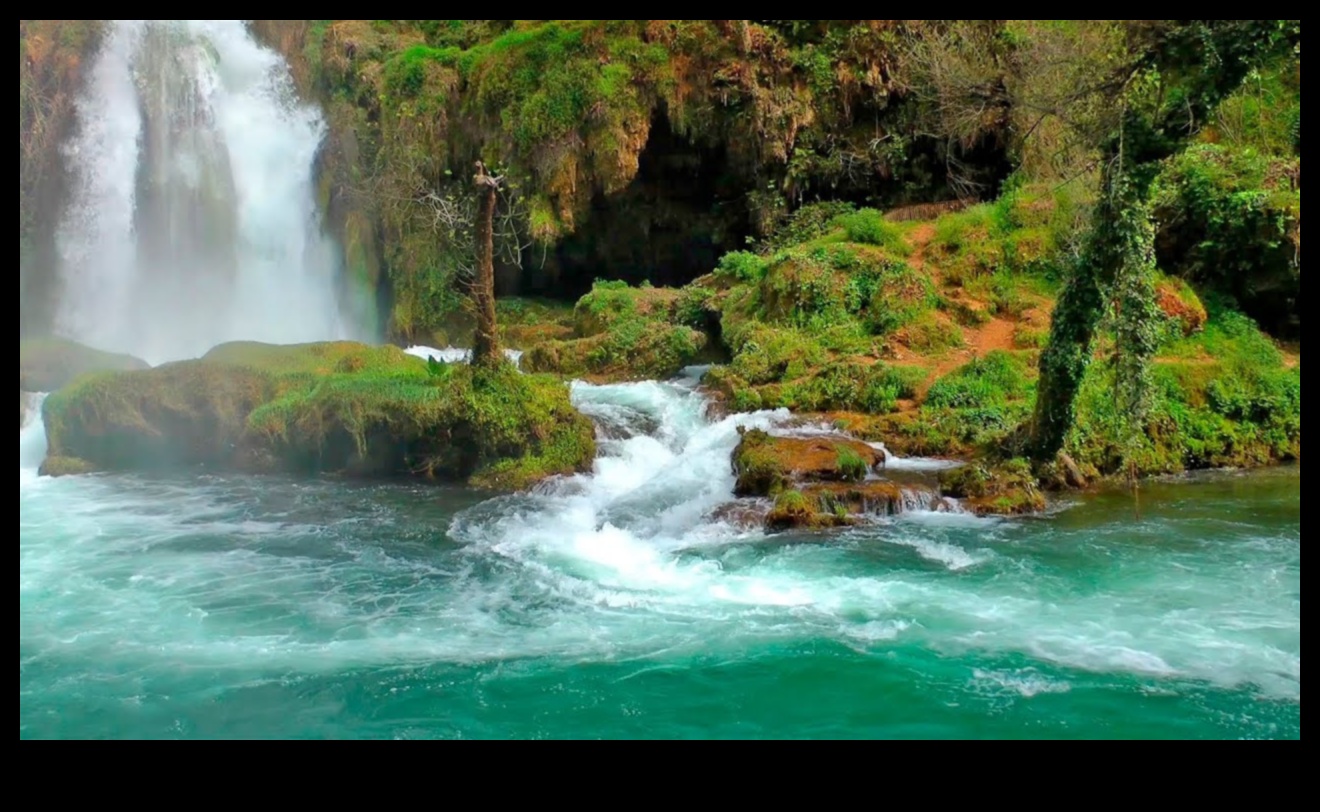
(1026, 683)
(31, 441)
(455, 355)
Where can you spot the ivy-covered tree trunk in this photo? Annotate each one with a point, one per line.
(1116, 268)
(486, 347)
(1180, 71)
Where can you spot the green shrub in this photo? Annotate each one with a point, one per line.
(869, 227)
(852, 468)
(994, 380)
(742, 266)
(808, 223)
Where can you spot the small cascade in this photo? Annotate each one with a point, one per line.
(456, 355)
(917, 500)
(32, 438)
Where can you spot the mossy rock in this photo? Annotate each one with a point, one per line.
(610, 304)
(632, 351)
(49, 364)
(795, 510)
(769, 466)
(1007, 490)
(334, 408)
(66, 466)
(858, 499)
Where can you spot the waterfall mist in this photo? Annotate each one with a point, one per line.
(193, 218)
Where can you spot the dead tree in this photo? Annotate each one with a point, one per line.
(486, 347)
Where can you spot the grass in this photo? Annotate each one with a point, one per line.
(852, 468)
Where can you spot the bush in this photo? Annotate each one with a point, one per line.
(994, 380)
(808, 223)
(852, 468)
(742, 266)
(869, 227)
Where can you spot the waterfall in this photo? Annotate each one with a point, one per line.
(193, 218)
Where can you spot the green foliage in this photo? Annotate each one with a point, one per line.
(1228, 400)
(1295, 128)
(807, 224)
(1264, 115)
(869, 227)
(626, 333)
(742, 266)
(994, 380)
(852, 468)
(696, 308)
(1227, 219)
(828, 286)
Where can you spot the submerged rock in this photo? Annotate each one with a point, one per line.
(336, 408)
(50, 364)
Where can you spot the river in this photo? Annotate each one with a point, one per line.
(619, 605)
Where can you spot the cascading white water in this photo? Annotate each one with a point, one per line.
(193, 218)
(31, 440)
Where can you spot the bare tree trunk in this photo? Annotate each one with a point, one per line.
(486, 347)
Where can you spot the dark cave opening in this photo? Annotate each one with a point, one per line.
(685, 209)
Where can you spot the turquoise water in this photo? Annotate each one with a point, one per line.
(619, 606)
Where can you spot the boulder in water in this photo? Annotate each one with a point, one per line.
(335, 408)
(768, 466)
(50, 364)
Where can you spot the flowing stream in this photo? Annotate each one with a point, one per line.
(625, 603)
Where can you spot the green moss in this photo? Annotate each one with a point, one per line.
(1008, 489)
(869, 227)
(66, 466)
(46, 365)
(760, 470)
(346, 408)
(793, 510)
(625, 333)
(852, 468)
(634, 350)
